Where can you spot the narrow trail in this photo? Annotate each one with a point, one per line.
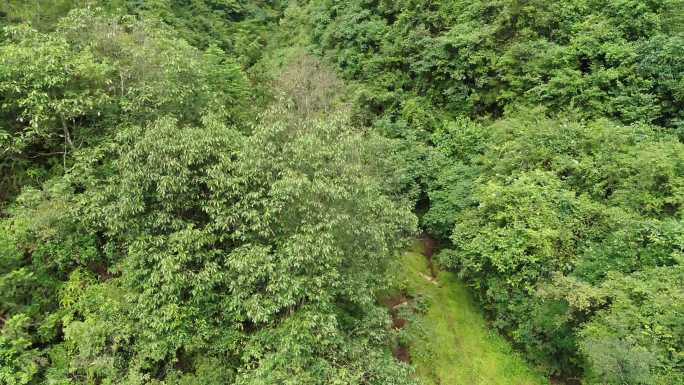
(429, 248)
(449, 341)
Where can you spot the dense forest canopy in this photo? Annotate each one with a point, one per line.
(614, 59)
(554, 172)
(217, 191)
(168, 230)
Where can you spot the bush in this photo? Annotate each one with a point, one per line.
(560, 220)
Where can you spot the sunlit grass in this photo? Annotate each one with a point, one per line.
(451, 344)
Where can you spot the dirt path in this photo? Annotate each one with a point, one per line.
(394, 302)
(430, 246)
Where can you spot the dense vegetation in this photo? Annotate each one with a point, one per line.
(553, 172)
(572, 236)
(170, 229)
(188, 196)
(596, 58)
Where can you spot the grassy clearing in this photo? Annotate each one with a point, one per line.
(451, 344)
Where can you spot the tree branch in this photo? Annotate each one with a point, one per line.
(67, 136)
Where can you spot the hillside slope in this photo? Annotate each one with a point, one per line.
(449, 341)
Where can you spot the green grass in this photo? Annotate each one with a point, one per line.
(451, 344)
